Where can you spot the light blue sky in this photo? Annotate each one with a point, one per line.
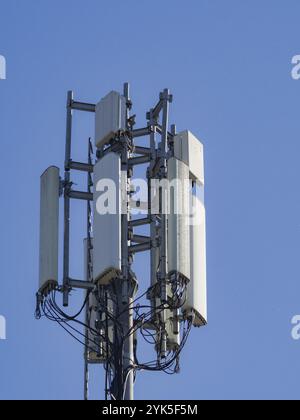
(228, 65)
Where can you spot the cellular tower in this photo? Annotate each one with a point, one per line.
(160, 212)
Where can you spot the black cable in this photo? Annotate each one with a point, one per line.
(115, 350)
(54, 317)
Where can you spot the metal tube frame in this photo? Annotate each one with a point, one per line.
(66, 262)
(88, 284)
(157, 158)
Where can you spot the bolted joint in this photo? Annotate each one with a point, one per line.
(68, 165)
(61, 186)
(132, 284)
(166, 96)
(155, 243)
(132, 121)
(70, 101)
(163, 172)
(130, 234)
(130, 173)
(65, 187)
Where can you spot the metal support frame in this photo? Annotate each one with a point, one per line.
(80, 106)
(142, 150)
(125, 294)
(155, 156)
(80, 195)
(141, 160)
(139, 239)
(88, 284)
(66, 263)
(81, 284)
(141, 132)
(163, 271)
(68, 193)
(78, 166)
(139, 222)
(145, 246)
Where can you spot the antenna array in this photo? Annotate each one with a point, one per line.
(115, 315)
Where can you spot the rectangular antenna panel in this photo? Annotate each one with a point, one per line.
(189, 150)
(196, 300)
(49, 221)
(178, 218)
(107, 219)
(110, 118)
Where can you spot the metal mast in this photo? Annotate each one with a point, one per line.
(113, 320)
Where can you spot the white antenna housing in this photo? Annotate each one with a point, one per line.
(107, 219)
(49, 221)
(110, 118)
(188, 152)
(178, 218)
(196, 299)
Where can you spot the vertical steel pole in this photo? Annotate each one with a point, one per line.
(164, 155)
(66, 263)
(86, 365)
(164, 243)
(122, 370)
(153, 217)
(88, 275)
(128, 317)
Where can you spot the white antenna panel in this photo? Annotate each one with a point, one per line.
(110, 118)
(189, 150)
(178, 218)
(49, 221)
(196, 300)
(107, 218)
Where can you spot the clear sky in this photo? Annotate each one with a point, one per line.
(228, 64)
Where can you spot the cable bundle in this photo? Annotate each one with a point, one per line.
(147, 322)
